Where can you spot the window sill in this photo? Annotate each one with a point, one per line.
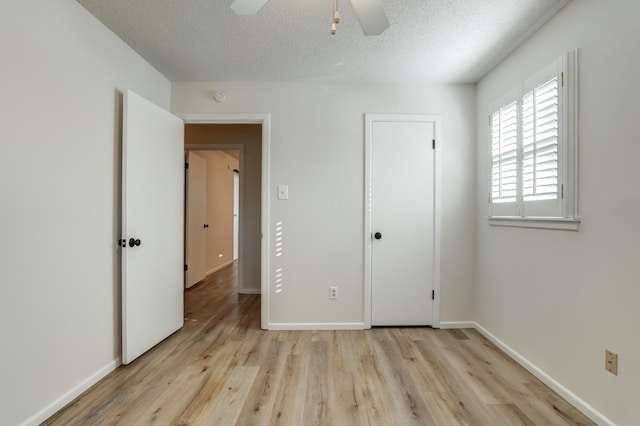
(536, 222)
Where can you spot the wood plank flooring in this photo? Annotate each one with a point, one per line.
(221, 369)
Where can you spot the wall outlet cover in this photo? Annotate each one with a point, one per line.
(611, 362)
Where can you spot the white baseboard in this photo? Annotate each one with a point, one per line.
(72, 394)
(317, 326)
(565, 393)
(457, 324)
(217, 268)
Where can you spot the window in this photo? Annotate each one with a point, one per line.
(533, 142)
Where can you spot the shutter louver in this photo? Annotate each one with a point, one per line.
(504, 147)
(540, 142)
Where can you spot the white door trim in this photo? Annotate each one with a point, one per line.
(265, 120)
(418, 118)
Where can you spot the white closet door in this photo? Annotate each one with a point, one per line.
(402, 248)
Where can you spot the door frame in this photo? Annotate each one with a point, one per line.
(368, 187)
(265, 120)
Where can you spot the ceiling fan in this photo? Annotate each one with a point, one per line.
(371, 14)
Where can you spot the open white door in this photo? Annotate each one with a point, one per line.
(152, 225)
(196, 219)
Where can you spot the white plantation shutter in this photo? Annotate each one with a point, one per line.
(504, 154)
(540, 142)
(534, 146)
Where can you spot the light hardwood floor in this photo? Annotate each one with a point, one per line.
(221, 369)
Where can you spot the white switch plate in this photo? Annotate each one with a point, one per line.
(283, 192)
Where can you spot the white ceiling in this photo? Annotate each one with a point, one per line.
(444, 41)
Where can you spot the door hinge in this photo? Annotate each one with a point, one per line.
(489, 197)
(562, 191)
(562, 79)
(433, 295)
(186, 268)
(434, 144)
(186, 166)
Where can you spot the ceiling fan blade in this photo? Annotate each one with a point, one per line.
(372, 16)
(247, 7)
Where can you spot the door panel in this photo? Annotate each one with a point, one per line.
(196, 219)
(153, 213)
(402, 260)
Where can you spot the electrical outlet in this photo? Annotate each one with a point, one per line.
(333, 293)
(611, 362)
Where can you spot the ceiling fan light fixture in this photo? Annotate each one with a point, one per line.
(336, 17)
(371, 14)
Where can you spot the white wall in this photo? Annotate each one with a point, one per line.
(61, 77)
(317, 148)
(587, 300)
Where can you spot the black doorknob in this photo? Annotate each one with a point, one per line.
(206, 225)
(133, 242)
(377, 235)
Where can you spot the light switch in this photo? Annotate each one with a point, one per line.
(283, 192)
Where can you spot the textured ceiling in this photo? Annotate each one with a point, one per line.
(445, 41)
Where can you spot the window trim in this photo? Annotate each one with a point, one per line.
(568, 224)
(567, 150)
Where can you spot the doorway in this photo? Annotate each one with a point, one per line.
(402, 220)
(212, 212)
(248, 138)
